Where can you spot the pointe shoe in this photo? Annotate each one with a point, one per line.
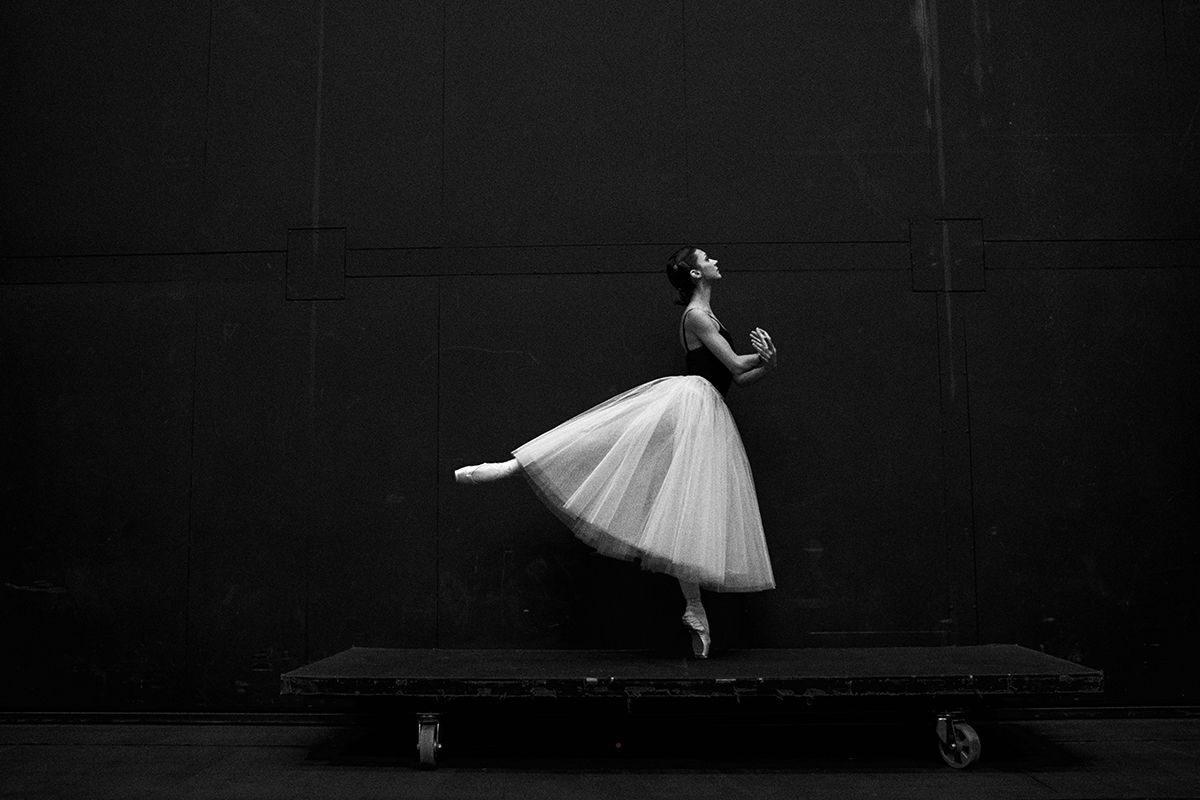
(466, 474)
(482, 473)
(698, 627)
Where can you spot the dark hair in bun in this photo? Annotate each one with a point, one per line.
(678, 267)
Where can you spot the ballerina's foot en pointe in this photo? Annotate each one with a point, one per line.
(483, 473)
(697, 626)
(696, 620)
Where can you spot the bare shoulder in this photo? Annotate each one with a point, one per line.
(697, 320)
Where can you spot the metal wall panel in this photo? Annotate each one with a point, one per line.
(97, 422)
(564, 123)
(102, 128)
(1055, 121)
(252, 515)
(804, 122)
(1084, 406)
(262, 172)
(373, 558)
(381, 121)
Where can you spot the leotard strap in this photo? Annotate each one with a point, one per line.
(683, 334)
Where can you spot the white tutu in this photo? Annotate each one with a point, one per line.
(659, 474)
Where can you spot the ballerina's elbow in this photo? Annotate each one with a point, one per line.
(743, 379)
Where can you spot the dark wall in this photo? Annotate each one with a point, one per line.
(269, 272)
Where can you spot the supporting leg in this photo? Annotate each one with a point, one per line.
(691, 594)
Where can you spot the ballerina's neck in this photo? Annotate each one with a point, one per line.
(702, 296)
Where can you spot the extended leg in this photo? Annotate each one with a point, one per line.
(482, 473)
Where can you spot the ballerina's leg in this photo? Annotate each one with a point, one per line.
(483, 473)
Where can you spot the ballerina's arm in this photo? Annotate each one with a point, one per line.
(745, 369)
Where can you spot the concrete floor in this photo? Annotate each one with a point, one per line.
(528, 759)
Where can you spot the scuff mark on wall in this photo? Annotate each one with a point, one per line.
(320, 89)
(920, 23)
(924, 22)
(981, 26)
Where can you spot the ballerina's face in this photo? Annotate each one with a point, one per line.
(706, 267)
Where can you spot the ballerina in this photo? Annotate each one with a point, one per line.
(658, 473)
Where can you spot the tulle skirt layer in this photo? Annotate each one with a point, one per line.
(658, 474)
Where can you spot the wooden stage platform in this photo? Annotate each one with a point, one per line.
(946, 680)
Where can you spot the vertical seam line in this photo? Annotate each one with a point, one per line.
(687, 179)
(191, 504)
(437, 410)
(442, 191)
(971, 484)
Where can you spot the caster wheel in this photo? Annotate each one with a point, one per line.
(427, 743)
(958, 743)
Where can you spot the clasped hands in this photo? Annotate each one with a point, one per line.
(761, 341)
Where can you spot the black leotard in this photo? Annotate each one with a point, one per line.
(701, 361)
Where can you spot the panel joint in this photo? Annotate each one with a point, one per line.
(946, 255)
(316, 264)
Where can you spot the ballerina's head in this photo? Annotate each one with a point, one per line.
(687, 268)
